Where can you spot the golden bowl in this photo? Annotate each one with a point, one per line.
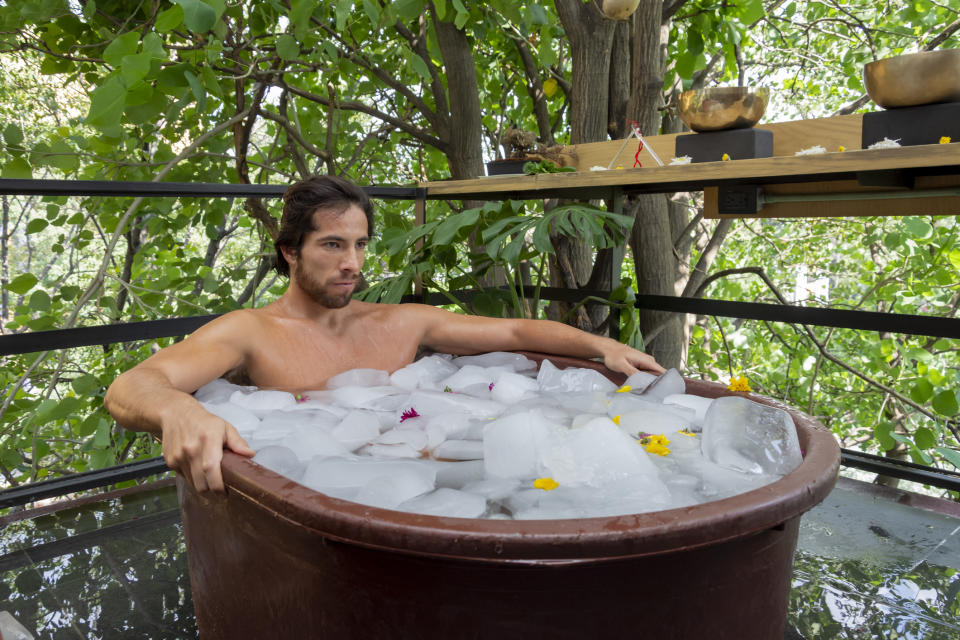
(719, 108)
(914, 79)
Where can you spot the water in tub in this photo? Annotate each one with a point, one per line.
(491, 436)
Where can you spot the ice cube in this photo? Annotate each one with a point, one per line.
(656, 422)
(378, 398)
(668, 383)
(244, 421)
(495, 489)
(219, 391)
(511, 388)
(335, 473)
(513, 361)
(585, 402)
(308, 442)
(471, 375)
(596, 454)
(359, 378)
(513, 445)
(455, 475)
(399, 450)
(389, 491)
(433, 403)
(415, 438)
(459, 450)
(697, 403)
(454, 425)
(425, 373)
(263, 401)
(358, 428)
(572, 379)
(281, 460)
(747, 436)
(639, 381)
(449, 503)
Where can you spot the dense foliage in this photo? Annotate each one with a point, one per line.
(388, 93)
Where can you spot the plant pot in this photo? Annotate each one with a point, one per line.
(509, 166)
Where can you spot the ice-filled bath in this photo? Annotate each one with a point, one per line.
(274, 556)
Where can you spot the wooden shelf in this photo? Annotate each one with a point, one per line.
(935, 159)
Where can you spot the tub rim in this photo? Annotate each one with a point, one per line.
(566, 541)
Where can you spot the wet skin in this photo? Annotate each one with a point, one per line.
(311, 333)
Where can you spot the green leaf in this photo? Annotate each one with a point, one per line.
(344, 8)
(17, 168)
(955, 259)
(39, 300)
(84, 384)
(88, 426)
(135, 68)
(919, 229)
(751, 11)
(106, 103)
(447, 229)
(198, 15)
(921, 391)
(170, 19)
(12, 135)
(22, 283)
(945, 403)
(420, 67)
(300, 12)
(287, 47)
(924, 438)
(102, 439)
(36, 225)
(950, 455)
(121, 46)
(198, 91)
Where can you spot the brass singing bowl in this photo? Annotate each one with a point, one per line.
(719, 108)
(914, 79)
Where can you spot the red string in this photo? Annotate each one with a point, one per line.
(634, 125)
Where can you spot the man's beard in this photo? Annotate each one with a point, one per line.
(316, 291)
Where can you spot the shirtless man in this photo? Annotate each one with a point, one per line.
(313, 332)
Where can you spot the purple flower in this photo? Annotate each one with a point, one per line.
(409, 413)
(490, 388)
(301, 397)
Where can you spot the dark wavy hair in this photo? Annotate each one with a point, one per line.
(302, 199)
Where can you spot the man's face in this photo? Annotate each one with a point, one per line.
(328, 264)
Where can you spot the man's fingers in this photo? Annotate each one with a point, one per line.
(237, 444)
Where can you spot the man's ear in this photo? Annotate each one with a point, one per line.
(289, 254)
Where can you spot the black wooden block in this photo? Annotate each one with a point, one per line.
(913, 125)
(739, 144)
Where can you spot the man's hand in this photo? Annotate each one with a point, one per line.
(627, 360)
(193, 443)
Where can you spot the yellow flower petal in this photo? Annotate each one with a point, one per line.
(841, 148)
(657, 449)
(616, 420)
(547, 484)
(625, 388)
(739, 384)
(687, 433)
(725, 157)
(945, 140)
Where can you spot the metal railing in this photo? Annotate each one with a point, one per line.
(938, 327)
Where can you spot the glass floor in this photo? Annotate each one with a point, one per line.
(872, 562)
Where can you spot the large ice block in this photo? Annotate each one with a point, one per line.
(668, 383)
(753, 438)
(425, 373)
(446, 502)
(513, 445)
(514, 361)
(572, 379)
(359, 378)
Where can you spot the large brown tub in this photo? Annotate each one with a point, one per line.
(274, 559)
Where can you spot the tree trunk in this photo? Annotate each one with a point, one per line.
(465, 126)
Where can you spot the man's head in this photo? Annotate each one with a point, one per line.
(328, 195)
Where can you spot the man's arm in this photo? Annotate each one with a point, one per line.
(155, 396)
(455, 333)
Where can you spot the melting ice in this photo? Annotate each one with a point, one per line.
(492, 436)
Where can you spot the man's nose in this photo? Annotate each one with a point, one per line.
(352, 261)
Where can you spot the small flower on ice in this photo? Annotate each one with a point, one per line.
(409, 413)
(490, 388)
(687, 433)
(656, 444)
(447, 389)
(547, 484)
(616, 420)
(624, 389)
(739, 384)
(301, 397)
